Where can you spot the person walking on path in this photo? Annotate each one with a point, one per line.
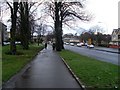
(53, 46)
(46, 45)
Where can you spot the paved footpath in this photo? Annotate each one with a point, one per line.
(46, 71)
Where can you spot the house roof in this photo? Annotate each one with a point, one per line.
(116, 31)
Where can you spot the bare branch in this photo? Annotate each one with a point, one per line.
(31, 4)
(36, 8)
(9, 6)
(69, 26)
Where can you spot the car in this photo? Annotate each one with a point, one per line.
(86, 44)
(6, 43)
(82, 44)
(17, 42)
(67, 43)
(90, 46)
(79, 45)
(72, 44)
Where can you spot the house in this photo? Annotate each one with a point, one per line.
(66, 40)
(70, 38)
(74, 40)
(115, 36)
(4, 34)
(115, 42)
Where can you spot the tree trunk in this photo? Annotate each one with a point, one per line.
(62, 43)
(24, 25)
(61, 21)
(12, 34)
(27, 25)
(57, 28)
(13, 28)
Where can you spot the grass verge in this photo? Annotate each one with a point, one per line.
(11, 64)
(92, 73)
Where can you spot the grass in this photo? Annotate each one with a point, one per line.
(11, 64)
(91, 72)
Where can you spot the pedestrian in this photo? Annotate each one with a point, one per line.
(53, 46)
(46, 45)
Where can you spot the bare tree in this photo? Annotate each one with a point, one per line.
(13, 10)
(24, 24)
(62, 12)
(39, 33)
(27, 22)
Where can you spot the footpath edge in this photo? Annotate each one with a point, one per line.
(73, 74)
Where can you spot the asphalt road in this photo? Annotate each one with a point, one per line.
(99, 55)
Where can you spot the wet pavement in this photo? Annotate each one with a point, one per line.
(46, 71)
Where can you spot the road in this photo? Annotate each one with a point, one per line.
(100, 55)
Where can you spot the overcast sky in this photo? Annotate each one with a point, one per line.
(105, 13)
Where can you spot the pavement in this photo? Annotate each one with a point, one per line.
(47, 70)
(112, 50)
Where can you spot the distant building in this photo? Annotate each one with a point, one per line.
(116, 36)
(71, 40)
(74, 40)
(69, 35)
(66, 40)
(4, 34)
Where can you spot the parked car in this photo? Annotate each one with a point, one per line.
(82, 44)
(17, 42)
(72, 44)
(79, 44)
(6, 43)
(86, 44)
(90, 46)
(67, 43)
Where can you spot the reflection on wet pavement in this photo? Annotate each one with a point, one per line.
(47, 71)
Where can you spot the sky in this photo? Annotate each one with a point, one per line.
(104, 13)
